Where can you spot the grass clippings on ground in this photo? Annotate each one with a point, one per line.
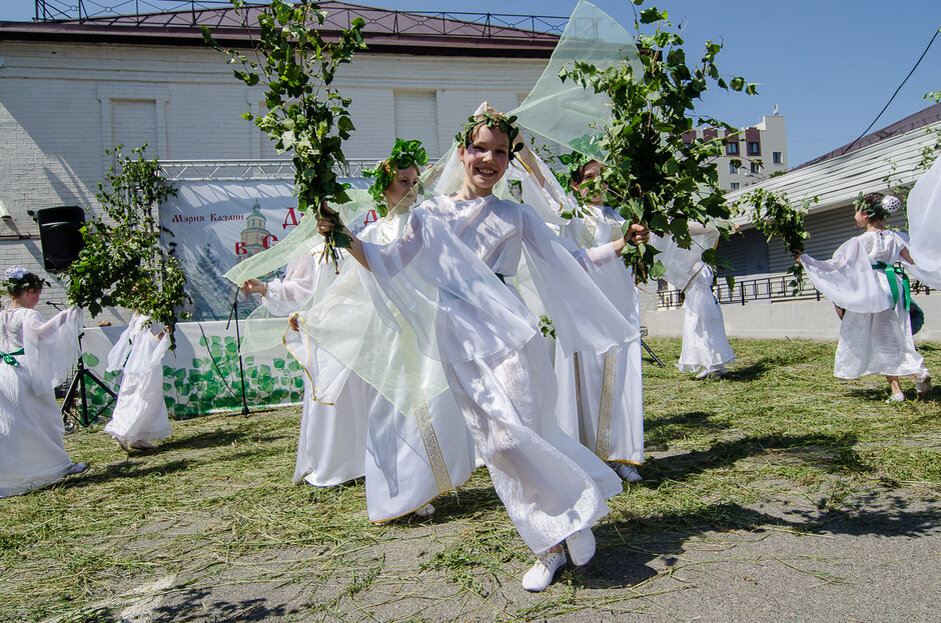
(209, 527)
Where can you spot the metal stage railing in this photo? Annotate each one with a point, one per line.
(426, 23)
(222, 170)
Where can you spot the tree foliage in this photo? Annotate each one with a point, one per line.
(306, 115)
(123, 262)
(654, 176)
(774, 216)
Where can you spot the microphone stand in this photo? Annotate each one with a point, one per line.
(238, 343)
(77, 386)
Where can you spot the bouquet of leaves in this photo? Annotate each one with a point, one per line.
(652, 175)
(306, 115)
(123, 262)
(774, 216)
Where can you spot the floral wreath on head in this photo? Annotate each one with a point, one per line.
(890, 204)
(18, 277)
(492, 120)
(404, 155)
(577, 159)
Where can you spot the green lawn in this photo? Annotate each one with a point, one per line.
(215, 504)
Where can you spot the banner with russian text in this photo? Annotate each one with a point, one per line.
(218, 224)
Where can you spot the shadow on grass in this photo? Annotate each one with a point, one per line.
(823, 450)
(626, 548)
(194, 604)
(659, 431)
(208, 439)
(124, 469)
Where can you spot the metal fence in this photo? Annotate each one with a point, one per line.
(242, 170)
(770, 289)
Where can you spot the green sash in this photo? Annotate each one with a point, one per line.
(891, 272)
(10, 358)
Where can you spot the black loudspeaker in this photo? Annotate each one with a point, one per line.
(60, 234)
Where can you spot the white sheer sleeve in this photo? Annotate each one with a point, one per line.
(285, 296)
(585, 317)
(50, 348)
(924, 222)
(457, 307)
(848, 279)
(119, 352)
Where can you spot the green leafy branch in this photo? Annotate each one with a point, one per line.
(306, 114)
(654, 176)
(774, 216)
(123, 262)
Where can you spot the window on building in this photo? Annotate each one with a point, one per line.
(754, 148)
(736, 185)
(776, 157)
(732, 148)
(756, 167)
(732, 168)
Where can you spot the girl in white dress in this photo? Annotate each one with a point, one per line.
(446, 276)
(351, 430)
(706, 349)
(607, 389)
(140, 414)
(876, 333)
(36, 356)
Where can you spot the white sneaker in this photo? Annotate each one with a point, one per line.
(540, 576)
(895, 398)
(581, 546)
(77, 468)
(143, 445)
(123, 444)
(923, 383)
(628, 473)
(425, 511)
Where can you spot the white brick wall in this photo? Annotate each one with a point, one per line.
(62, 104)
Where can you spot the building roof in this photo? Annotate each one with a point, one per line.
(836, 179)
(920, 119)
(394, 32)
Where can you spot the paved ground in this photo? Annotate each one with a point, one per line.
(876, 559)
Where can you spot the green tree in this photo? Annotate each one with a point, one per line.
(306, 115)
(123, 262)
(654, 176)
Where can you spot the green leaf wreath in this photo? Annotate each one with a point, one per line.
(404, 155)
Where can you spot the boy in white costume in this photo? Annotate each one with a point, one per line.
(35, 356)
(876, 332)
(140, 414)
(606, 390)
(446, 276)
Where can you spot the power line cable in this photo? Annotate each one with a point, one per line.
(891, 99)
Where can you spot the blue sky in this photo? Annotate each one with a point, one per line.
(830, 65)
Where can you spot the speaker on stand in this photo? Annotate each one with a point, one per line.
(60, 236)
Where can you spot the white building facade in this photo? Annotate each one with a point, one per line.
(70, 90)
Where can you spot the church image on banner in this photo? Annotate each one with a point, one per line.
(72, 86)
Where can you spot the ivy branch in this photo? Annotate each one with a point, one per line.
(123, 262)
(773, 215)
(306, 115)
(652, 175)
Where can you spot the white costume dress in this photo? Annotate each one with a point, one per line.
(411, 459)
(331, 445)
(876, 333)
(140, 413)
(606, 390)
(445, 276)
(32, 452)
(705, 344)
